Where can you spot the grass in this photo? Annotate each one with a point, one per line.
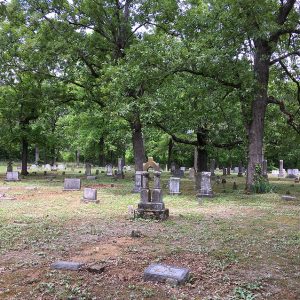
(237, 246)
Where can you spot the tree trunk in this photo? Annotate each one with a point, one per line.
(258, 110)
(170, 148)
(202, 157)
(37, 154)
(53, 156)
(24, 156)
(138, 144)
(101, 152)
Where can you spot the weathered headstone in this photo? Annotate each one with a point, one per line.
(137, 182)
(165, 273)
(12, 176)
(121, 164)
(205, 185)
(88, 169)
(72, 184)
(61, 167)
(109, 170)
(192, 173)
(67, 265)
(281, 172)
(47, 167)
(91, 177)
(288, 197)
(152, 201)
(90, 195)
(174, 186)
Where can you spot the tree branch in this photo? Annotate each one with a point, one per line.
(290, 117)
(174, 137)
(278, 59)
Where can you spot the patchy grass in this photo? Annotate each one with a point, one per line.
(237, 246)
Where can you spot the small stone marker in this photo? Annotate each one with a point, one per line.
(90, 195)
(67, 265)
(163, 273)
(138, 176)
(72, 184)
(91, 177)
(12, 176)
(288, 198)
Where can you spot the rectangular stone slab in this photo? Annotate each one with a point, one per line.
(163, 273)
(67, 265)
(72, 184)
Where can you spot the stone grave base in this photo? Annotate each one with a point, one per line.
(162, 214)
(174, 193)
(89, 201)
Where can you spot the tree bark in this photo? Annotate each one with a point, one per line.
(24, 156)
(201, 149)
(37, 154)
(138, 144)
(170, 148)
(101, 152)
(258, 109)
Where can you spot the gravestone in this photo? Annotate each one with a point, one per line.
(47, 167)
(97, 172)
(165, 273)
(178, 173)
(192, 173)
(120, 172)
(88, 169)
(236, 170)
(183, 169)
(137, 182)
(67, 265)
(174, 186)
(61, 167)
(12, 176)
(90, 195)
(72, 184)
(151, 202)
(33, 167)
(281, 172)
(9, 167)
(205, 190)
(109, 170)
(91, 177)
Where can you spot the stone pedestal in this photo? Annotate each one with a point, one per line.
(137, 182)
(205, 190)
(151, 202)
(281, 171)
(174, 186)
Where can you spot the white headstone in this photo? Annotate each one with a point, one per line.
(174, 186)
(12, 176)
(47, 167)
